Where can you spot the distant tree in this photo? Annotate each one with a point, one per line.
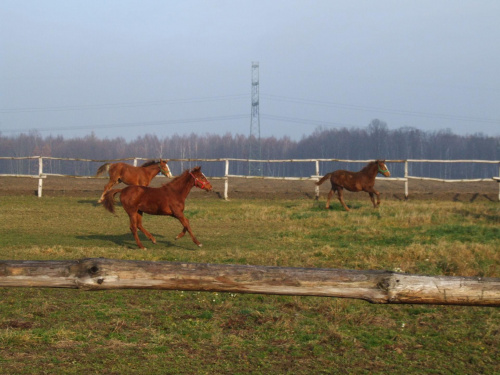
(374, 141)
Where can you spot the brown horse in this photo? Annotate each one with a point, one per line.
(130, 175)
(364, 180)
(165, 200)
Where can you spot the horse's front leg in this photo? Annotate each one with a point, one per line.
(180, 235)
(372, 199)
(372, 193)
(378, 197)
(185, 223)
(107, 187)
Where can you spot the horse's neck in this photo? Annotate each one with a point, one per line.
(153, 169)
(371, 170)
(182, 185)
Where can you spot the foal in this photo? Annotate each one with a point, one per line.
(130, 175)
(165, 200)
(364, 180)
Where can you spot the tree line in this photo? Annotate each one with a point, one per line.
(376, 141)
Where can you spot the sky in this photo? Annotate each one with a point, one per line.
(127, 68)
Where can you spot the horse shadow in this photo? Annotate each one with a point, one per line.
(336, 206)
(126, 240)
(92, 202)
(458, 197)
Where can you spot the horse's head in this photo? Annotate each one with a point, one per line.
(164, 168)
(199, 179)
(382, 168)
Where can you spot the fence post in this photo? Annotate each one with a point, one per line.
(406, 179)
(226, 179)
(316, 189)
(40, 179)
(135, 162)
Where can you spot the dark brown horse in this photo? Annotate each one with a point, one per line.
(130, 175)
(364, 180)
(165, 200)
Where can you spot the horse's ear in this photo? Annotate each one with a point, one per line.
(196, 169)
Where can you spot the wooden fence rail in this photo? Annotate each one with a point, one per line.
(382, 287)
(41, 174)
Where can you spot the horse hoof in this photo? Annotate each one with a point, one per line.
(200, 245)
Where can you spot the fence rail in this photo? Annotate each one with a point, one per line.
(41, 175)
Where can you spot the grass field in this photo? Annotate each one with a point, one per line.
(56, 331)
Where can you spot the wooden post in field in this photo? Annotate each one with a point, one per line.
(498, 182)
(316, 189)
(406, 179)
(226, 180)
(373, 286)
(40, 178)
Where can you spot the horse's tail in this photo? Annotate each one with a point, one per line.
(109, 200)
(323, 179)
(102, 169)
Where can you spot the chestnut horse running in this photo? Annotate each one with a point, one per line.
(364, 180)
(130, 175)
(165, 200)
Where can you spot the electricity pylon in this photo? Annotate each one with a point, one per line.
(254, 144)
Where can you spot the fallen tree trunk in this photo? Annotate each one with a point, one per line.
(372, 286)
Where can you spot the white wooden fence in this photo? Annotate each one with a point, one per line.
(226, 176)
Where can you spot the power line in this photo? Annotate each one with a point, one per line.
(121, 105)
(378, 109)
(304, 121)
(243, 96)
(382, 110)
(132, 124)
(224, 118)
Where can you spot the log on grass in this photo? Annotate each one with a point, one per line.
(373, 286)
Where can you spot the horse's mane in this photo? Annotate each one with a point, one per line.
(186, 171)
(369, 166)
(149, 162)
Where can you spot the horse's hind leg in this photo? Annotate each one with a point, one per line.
(143, 230)
(133, 228)
(340, 192)
(329, 197)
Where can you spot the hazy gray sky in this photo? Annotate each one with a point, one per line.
(128, 68)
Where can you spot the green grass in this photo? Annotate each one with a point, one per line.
(59, 331)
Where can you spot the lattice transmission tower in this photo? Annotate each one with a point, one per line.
(254, 146)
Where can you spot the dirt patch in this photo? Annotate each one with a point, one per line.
(240, 188)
